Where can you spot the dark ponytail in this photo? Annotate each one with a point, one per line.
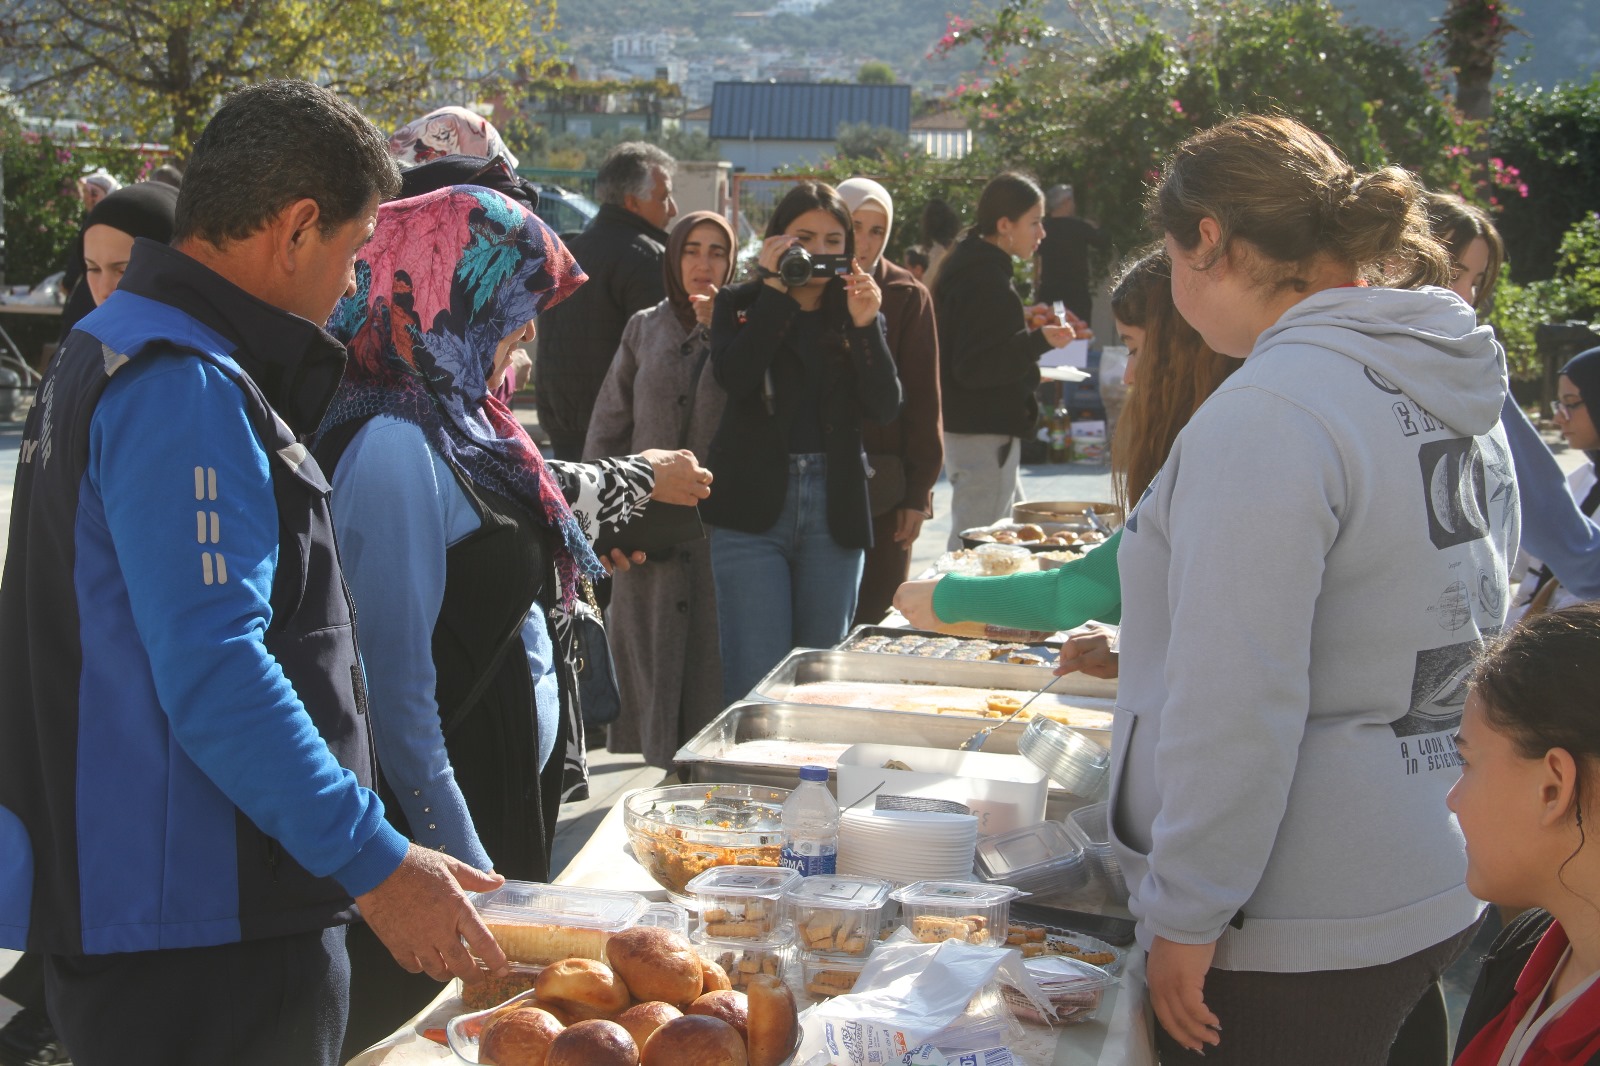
(1009, 195)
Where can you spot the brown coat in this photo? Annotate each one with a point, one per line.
(662, 622)
(916, 436)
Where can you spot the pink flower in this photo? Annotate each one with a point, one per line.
(1176, 106)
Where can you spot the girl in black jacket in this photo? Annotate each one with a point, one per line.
(802, 366)
(988, 358)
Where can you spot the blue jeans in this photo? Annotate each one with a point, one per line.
(790, 586)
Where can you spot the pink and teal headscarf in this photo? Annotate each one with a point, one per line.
(447, 276)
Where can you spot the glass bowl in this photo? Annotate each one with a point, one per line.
(679, 831)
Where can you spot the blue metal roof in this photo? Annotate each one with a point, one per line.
(798, 111)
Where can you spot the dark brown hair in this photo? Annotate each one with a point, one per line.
(812, 196)
(1269, 181)
(1177, 371)
(1009, 195)
(1456, 224)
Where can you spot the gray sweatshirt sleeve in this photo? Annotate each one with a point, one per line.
(1256, 495)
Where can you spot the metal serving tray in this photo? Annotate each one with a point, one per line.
(706, 756)
(1048, 648)
(805, 665)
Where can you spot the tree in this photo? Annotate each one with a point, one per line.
(1551, 139)
(862, 140)
(157, 69)
(875, 72)
(1471, 36)
(1104, 110)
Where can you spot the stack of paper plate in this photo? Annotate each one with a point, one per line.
(907, 846)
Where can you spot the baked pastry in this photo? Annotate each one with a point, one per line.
(656, 964)
(774, 1021)
(743, 965)
(828, 983)
(715, 977)
(642, 1019)
(593, 1043)
(933, 928)
(749, 920)
(487, 990)
(1030, 533)
(732, 1007)
(834, 930)
(518, 1037)
(586, 988)
(695, 1040)
(547, 943)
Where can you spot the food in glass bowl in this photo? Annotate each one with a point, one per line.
(679, 831)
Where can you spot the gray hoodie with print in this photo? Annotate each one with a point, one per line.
(1304, 586)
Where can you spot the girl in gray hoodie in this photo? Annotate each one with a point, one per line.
(1304, 586)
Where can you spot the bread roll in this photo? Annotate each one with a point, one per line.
(518, 1037)
(642, 1019)
(593, 1043)
(774, 1021)
(695, 1040)
(656, 964)
(584, 987)
(716, 978)
(730, 1006)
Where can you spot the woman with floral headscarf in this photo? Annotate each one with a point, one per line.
(448, 131)
(464, 551)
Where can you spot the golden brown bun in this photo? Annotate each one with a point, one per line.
(656, 964)
(518, 1037)
(774, 1021)
(584, 987)
(695, 1040)
(1030, 532)
(716, 978)
(594, 1043)
(642, 1019)
(730, 1006)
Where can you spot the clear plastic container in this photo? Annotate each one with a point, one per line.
(773, 955)
(827, 976)
(1093, 822)
(465, 1031)
(956, 910)
(997, 559)
(838, 915)
(1046, 858)
(1073, 761)
(741, 902)
(667, 916)
(1074, 988)
(538, 923)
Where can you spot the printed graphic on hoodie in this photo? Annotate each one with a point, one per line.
(1439, 688)
(1455, 490)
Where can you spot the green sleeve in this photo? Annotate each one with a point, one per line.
(1068, 596)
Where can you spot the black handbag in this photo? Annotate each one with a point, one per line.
(599, 698)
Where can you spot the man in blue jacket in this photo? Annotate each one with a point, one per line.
(186, 814)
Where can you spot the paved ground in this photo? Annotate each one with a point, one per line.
(612, 775)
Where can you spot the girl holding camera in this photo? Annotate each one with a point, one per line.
(802, 354)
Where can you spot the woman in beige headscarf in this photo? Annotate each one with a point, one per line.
(660, 393)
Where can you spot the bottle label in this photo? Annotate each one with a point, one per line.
(810, 859)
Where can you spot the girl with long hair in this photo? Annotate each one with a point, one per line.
(803, 364)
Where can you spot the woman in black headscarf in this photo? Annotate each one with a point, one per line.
(143, 210)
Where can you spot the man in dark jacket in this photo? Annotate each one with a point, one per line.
(621, 252)
(186, 772)
(1063, 256)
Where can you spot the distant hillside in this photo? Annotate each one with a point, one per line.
(1562, 39)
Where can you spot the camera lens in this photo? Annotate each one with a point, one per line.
(794, 266)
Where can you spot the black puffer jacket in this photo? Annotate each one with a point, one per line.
(988, 358)
(578, 337)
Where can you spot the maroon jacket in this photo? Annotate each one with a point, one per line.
(916, 436)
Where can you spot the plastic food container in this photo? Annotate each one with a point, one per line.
(667, 916)
(1046, 859)
(464, 1031)
(1073, 761)
(998, 559)
(741, 902)
(956, 910)
(1093, 823)
(827, 976)
(677, 831)
(743, 959)
(1075, 989)
(493, 991)
(837, 915)
(538, 923)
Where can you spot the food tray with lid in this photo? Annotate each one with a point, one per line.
(666, 916)
(838, 915)
(1074, 988)
(826, 976)
(1072, 759)
(935, 911)
(1093, 823)
(1045, 858)
(743, 959)
(926, 644)
(741, 902)
(539, 923)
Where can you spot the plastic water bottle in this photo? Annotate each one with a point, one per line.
(811, 825)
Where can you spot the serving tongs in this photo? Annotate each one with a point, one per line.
(975, 741)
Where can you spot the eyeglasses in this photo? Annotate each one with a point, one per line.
(1564, 408)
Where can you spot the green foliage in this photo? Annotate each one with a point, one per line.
(863, 141)
(1104, 119)
(1552, 136)
(1572, 293)
(875, 72)
(42, 208)
(536, 147)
